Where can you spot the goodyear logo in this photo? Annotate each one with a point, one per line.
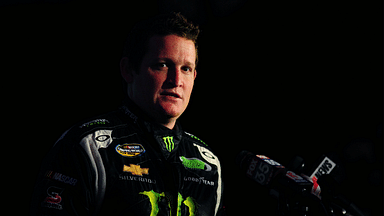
(130, 150)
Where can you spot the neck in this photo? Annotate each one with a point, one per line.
(170, 124)
(164, 120)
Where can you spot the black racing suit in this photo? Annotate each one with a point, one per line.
(123, 164)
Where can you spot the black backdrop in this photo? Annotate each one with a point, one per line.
(280, 79)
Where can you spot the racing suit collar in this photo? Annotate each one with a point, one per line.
(133, 111)
(167, 139)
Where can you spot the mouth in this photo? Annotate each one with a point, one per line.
(171, 94)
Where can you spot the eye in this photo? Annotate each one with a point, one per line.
(162, 65)
(159, 66)
(186, 69)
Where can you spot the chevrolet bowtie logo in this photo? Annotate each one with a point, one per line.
(135, 170)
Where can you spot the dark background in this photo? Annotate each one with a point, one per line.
(276, 78)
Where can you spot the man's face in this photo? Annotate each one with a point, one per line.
(164, 83)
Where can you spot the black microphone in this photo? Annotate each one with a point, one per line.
(272, 174)
(327, 165)
(259, 168)
(286, 185)
(327, 176)
(292, 191)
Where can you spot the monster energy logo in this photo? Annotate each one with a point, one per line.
(169, 144)
(154, 199)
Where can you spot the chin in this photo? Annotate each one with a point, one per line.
(172, 111)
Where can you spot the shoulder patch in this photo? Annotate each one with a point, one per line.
(95, 122)
(195, 137)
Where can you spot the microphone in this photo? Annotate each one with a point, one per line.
(326, 165)
(270, 173)
(297, 194)
(259, 168)
(328, 174)
(291, 190)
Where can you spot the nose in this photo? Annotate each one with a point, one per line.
(174, 77)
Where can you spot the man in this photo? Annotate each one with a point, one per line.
(137, 160)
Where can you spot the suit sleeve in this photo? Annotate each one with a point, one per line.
(68, 180)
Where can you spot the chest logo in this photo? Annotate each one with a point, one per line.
(195, 163)
(130, 150)
(136, 170)
(169, 144)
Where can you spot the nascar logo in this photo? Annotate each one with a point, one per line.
(130, 150)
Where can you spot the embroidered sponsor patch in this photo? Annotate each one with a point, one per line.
(195, 163)
(61, 178)
(103, 138)
(95, 122)
(199, 180)
(136, 170)
(130, 150)
(53, 200)
(169, 144)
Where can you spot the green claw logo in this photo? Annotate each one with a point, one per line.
(154, 199)
(169, 144)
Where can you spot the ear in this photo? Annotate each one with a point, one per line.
(194, 74)
(124, 70)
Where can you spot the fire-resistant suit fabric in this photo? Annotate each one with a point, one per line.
(123, 164)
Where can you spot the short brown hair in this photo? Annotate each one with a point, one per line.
(166, 24)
